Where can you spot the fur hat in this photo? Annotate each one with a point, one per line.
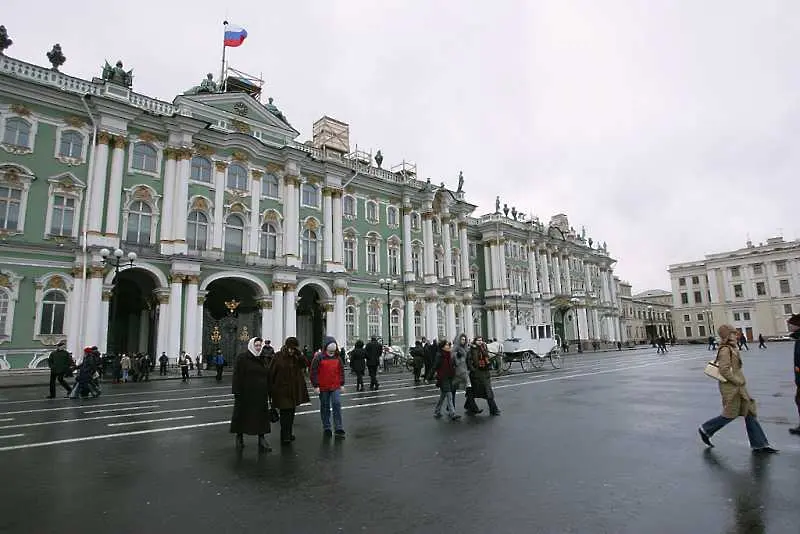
(291, 342)
(794, 320)
(724, 331)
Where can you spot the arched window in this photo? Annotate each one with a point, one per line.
(396, 325)
(455, 265)
(394, 258)
(350, 252)
(437, 227)
(473, 275)
(438, 264)
(140, 221)
(373, 264)
(476, 323)
(269, 241)
(415, 222)
(270, 187)
(391, 216)
(197, 230)
(349, 206)
(372, 211)
(145, 157)
(71, 145)
(350, 324)
(10, 207)
(374, 320)
(237, 177)
(417, 324)
(18, 132)
(5, 301)
(416, 260)
(459, 327)
(234, 234)
(440, 323)
(201, 169)
(54, 307)
(308, 245)
(309, 195)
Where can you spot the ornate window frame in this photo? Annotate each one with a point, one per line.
(63, 128)
(204, 205)
(375, 305)
(396, 210)
(52, 282)
(317, 196)
(273, 217)
(350, 216)
(66, 185)
(147, 140)
(415, 217)
(313, 224)
(268, 177)
(9, 282)
(352, 304)
(210, 182)
(241, 211)
(148, 195)
(394, 243)
(377, 207)
(350, 234)
(20, 177)
(18, 111)
(248, 174)
(372, 238)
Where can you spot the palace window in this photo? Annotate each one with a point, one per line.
(473, 275)
(416, 260)
(780, 266)
(309, 196)
(476, 323)
(454, 261)
(54, 307)
(62, 216)
(197, 230)
(758, 269)
(237, 177)
(145, 158)
(391, 216)
(688, 330)
(17, 132)
(372, 211)
(372, 258)
(10, 203)
(698, 297)
(784, 287)
(787, 309)
(761, 289)
(438, 264)
(682, 282)
(396, 324)
(234, 234)
(308, 247)
(140, 222)
(270, 188)
(269, 241)
(684, 298)
(736, 272)
(415, 222)
(394, 260)
(350, 324)
(695, 280)
(701, 331)
(350, 253)
(201, 170)
(417, 324)
(71, 145)
(737, 291)
(348, 206)
(437, 227)
(440, 323)
(374, 320)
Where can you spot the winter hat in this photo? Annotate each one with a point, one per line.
(724, 331)
(328, 341)
(794, 320)
(61, 343)
(291, 342)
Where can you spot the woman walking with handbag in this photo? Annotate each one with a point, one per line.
(288, 385)
(736, 401)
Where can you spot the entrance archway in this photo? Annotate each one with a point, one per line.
(133, 313)
(230, 317)
(311, 317)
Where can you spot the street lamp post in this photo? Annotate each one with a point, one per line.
(708, 322)
(388, 284)
(515, 296)
(575, 301)
(115, 260)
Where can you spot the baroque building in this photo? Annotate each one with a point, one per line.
(755, 289)
(645, 316)
(227, 227)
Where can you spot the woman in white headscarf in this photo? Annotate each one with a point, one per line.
(251, 385)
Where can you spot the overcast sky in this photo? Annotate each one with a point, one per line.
(668, 129)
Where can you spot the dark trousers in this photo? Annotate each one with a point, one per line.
(359, 380)
(185, 373)
(60, 377)
(373, 376)
(219, 373)
(417, 370)
(163, 369)
(797, 400)
(287, 423)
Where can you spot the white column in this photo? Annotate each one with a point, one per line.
(115, 186)
(291, 224)
(499, 324)
(168, 202)
(99, 179)
(175, 304)
(93, 307)
(339, 311)
(596, 323)
(327, 227)
(277, 313)
(463, 243)
(450, 317)
(190, 334)
(267, 322)
(290, 310)
(431, 318)
(408, 271)
(534, 277)
(219, 201)
(255, 214)
(469, 325)
(427, 236)
(102, 342)
(144, 323)
(583, 323)
(557, 274)
(330, 322)
(543, 261)
(200, 315)
(488, 267)
(448, 251)
(567, 275)
(338, 239)
(184, 169)
(501, 253)
(589, 286)
(409, 320)
(76, 322)
(162, 340)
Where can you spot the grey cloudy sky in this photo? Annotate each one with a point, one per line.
(668, 129)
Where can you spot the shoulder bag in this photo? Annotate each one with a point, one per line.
(712, 370)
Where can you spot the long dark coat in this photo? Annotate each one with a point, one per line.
(287, 379)
(479, 372)
(251, 395)
(358, 360)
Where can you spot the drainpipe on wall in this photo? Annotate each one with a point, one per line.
(85, 228)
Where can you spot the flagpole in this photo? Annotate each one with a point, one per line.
(222, 69)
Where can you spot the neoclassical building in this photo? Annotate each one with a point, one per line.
(240, 229)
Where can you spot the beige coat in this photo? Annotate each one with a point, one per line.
(736, 400)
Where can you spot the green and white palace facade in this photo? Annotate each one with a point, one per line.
(239, 229)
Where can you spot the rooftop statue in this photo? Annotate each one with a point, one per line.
(272, 108)
(379, 158)
(460, 182)
(117, 74)
(497, 205)
(56, 57)
(505, 209)
(5, 42)
(208, 85)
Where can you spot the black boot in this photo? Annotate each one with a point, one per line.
(493, 409)
(239, 442)
(470, 406)
(263, 446)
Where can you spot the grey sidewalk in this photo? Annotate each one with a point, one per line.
(26, 378)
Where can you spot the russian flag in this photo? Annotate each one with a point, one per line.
(234, 35)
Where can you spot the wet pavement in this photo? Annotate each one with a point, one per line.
(608, 443)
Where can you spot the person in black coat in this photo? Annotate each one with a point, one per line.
(418, 355)
(358, 364)
(60, 363)
(431, 352)
(251, 414)
(373, 350)
(793, 323)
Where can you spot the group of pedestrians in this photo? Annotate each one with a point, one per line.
(86, 374)
(366, 358)
(463, 365)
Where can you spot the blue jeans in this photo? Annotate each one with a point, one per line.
(754, 431)
(328, 399)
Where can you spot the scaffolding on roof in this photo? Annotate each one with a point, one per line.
(237, 81)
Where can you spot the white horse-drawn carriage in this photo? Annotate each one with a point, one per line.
(529, 346)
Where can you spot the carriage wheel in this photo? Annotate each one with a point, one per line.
(526, 362)
(536, 361)
(507, 363)
(555, 358)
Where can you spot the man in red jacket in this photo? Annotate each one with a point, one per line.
(327, 377)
